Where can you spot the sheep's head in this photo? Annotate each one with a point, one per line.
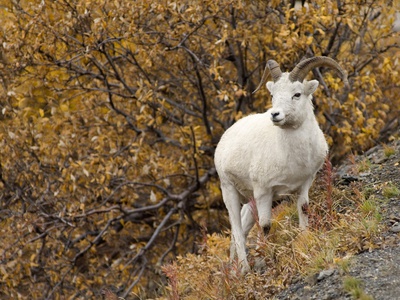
(291, 94)
(291, 101)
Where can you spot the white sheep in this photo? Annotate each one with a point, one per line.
(272, 153)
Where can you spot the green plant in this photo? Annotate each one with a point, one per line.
(369, 207)
(364, 165)
(344, 265)
(390, 190)
(388, 150)
(368, 191)
(354, 286)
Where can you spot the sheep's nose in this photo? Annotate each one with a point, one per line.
(277, 117)
(274, 114)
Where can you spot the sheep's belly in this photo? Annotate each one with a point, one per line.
(282, 183)
(277, 186)
(285, 189)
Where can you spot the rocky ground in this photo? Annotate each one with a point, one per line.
(377, 273)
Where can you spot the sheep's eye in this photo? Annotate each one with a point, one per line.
(297, 95)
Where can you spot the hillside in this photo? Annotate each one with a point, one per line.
(376, 272)
(363, 265)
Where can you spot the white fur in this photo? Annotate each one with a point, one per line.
(261, 158)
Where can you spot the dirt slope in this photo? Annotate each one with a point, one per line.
(377, 272)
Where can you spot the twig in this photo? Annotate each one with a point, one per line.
(196, 167)
(135, 282)
(97, 238)
(172, 245)
(49, 296)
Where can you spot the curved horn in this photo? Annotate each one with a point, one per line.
(275, 71)
(305, 66)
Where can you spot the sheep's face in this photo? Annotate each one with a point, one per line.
(291, 101)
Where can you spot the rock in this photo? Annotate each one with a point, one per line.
(395, 228)
(365, 174)
(325, 273)
(312, 279)
(346, 179)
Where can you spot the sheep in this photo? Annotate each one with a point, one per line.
(280, 151)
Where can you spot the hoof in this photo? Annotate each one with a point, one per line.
(305, 209)
(266, 229)
(245, 268)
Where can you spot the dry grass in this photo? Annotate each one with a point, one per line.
(342, 222)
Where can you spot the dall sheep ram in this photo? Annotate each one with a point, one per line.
(277, 152)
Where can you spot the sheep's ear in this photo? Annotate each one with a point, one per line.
(270, 84)
(310, 87)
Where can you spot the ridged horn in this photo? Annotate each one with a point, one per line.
(301, 70)
(275, 71)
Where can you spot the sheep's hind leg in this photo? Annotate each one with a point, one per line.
(238, 244)
(247, 219)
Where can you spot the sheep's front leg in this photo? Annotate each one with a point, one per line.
(231, 199)
(264, 207)
(302, 204)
